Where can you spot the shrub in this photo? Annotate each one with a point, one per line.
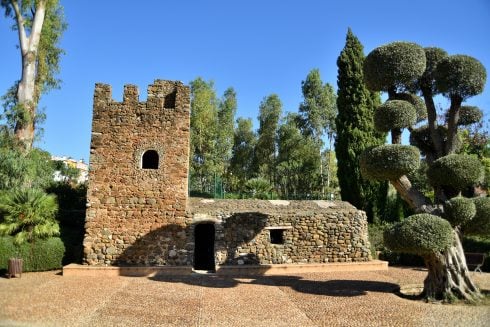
(394, 64)
(28, 214)
(459, 211)
(258, 188)
(394, 114)
(389, 162)
(478, 244)
(419, 234)
(433, 56)
(41, 255)
(463, 170)
(480, 224)
(461, 76)
(469, 115)
(414, 100)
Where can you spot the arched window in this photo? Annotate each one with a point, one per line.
(149, 160)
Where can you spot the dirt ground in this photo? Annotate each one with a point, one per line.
(314, 299)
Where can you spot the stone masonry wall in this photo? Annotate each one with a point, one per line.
(313, 231)
(127, 203)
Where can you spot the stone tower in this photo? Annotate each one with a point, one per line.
(139, 162)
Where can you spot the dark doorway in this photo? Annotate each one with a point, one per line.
(204, 247)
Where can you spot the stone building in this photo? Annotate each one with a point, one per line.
(138, 212)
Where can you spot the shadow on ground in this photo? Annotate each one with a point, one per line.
(343, 288)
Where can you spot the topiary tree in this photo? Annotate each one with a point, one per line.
(410, 73)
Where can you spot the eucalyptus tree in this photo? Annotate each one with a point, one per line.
(204, 118)
(266, 149)
(298, 160)
(317, 115)
(404, 71)
(355, 130)
(225, 132)
(242, 161)
(39, 24)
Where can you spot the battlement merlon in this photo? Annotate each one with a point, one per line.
(162, 93)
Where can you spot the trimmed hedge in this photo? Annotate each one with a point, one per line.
(43, 254)
(419, 234)
(416, 101)
(459, 211)
(458, 171)
(394, 114)
(460, 75)
(480, 224)
(433, 56)
(389, 162)
(394, 64)
(469, 115)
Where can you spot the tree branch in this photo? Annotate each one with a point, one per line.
(415, 199)
(20, 27)
(432, 122)
(37, 25)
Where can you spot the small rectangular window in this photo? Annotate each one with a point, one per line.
(277, 236)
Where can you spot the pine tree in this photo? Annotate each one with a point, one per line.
(355, 130)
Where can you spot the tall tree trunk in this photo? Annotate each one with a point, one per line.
(448, 276)
(396, 136)
(27, 93)
(321, 174)
(452, 125)
(432, 121)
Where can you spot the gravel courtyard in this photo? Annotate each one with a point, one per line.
(315, 299)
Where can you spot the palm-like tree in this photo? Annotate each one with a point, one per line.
(28, 214)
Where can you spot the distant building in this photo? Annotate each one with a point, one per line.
(72, 163)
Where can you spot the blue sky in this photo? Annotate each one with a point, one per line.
(258, 47)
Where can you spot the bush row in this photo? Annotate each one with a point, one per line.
(46, 254)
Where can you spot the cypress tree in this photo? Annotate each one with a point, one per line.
(355, 130)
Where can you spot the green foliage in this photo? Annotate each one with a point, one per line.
(433, 57)
(66, 172)
(45, 254)
(480, 224)
(416, 101)
(469, 115)
(455, 170)
(242, 161)
(204, 116)
(20, 169)
(28, 214)
(394, 65)
(461, 76)
(318, 109)
(22, 113)
(266, 149)
(298, 159)
(225, 130)
(355, 130)
(421, 138)
(394, 114)
(419, 234)
(459, 211)
(258, 188)
(389, 162)
(478, 244)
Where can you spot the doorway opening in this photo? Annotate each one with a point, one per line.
(204, 247)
